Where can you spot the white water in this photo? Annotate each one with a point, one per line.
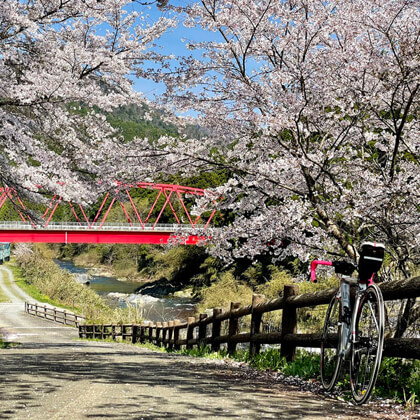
(121, 293)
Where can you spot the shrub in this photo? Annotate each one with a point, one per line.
(225, 290)
(58, 285)
(402, 377)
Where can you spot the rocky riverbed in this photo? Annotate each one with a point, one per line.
(155, 301)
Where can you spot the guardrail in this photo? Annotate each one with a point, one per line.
(206, 330)
(160, 227)
(53, 314)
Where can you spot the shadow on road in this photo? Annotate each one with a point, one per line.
(157, 385)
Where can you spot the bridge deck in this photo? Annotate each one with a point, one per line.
(121, 233)
(122, 227)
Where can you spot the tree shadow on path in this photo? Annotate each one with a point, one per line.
(139, 383)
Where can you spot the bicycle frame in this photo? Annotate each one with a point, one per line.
(348, 315)
(360, 327)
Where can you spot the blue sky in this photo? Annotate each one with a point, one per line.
(170, 43)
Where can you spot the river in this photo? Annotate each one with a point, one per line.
(120, 293)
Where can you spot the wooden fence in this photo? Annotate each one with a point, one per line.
(53, 314)
(206, 330)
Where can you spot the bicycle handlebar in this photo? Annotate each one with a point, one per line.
(313, 267)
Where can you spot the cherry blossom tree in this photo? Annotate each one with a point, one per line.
(62, 62)
(313, 107)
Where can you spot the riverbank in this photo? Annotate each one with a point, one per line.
(122, 294)
(179, 267)
(43, 278)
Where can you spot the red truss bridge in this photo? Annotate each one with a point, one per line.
(152, 214)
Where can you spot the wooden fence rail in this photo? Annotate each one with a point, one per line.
(53, 314)
(206, 330)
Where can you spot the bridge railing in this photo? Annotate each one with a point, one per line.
(208, 330)
(160, 227)
(54, 314)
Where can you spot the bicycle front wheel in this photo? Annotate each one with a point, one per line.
(367, 348)
(331, 359)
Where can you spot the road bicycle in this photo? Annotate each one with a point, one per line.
(354, 328)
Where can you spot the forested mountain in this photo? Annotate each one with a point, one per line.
(130, 119)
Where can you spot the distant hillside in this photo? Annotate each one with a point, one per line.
(131, 120)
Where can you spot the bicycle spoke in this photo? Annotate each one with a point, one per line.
(331, 360)
(373, 315)
(367, 348)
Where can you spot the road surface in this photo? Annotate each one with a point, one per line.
(53, 375)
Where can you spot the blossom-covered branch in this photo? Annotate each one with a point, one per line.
(313, 107)
(62, 64)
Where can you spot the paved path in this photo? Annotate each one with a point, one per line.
(52, 375)
(17, 326)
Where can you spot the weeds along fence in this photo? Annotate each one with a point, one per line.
(53, 314)
(207, 330)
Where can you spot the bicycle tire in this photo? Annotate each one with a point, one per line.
(366, 354)
(331, 360)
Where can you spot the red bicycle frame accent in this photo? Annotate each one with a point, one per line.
(314, 264)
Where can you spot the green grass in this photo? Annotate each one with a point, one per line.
(43, 280)
(7, 281)
(7, 344)
(3, 297)
(31, 290)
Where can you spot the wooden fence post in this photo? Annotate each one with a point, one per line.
(134, 329)
(233, 327)
(151, 324)
(165, 334)
(190, 331)
(215, 331)
(159, 333)
(288, 323)
(170, 334)
(45, 311)
(256, 324)
(202, 328)
(142, 340)
(176, 334)
(113, 335)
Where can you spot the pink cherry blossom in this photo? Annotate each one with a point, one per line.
(313, 108)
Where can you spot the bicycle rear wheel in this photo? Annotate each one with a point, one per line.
(331, 359)
(366, 353)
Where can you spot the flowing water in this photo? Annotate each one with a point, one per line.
(120, 293)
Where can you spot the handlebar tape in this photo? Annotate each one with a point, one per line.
(313, 267)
